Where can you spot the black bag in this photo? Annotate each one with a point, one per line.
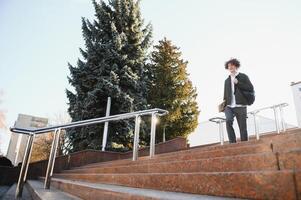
(249, 95)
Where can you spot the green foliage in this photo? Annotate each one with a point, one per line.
(112, 65)
(172, 90)
(115, 63)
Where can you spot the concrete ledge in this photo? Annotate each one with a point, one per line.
(104, 191)
(39, 193)
(271, 184)
(10, 194)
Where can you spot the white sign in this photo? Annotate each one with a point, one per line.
(296, 87)
(18, 142)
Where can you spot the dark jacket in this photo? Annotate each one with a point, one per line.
(244, 84)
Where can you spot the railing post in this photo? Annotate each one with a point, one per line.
(105, 130)
(282, 118)
(24, 167)
(255, 125)
(153, 135)
(136, 138)
(276, 119)
(164, 134)
(51, 161)
(221, 131)
(25, 176)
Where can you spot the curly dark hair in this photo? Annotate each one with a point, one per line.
(232, 61)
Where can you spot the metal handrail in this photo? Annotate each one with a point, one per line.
(217, 119)
(28, 131)
(268, 107)
(221, 120)
(274, 107)
(57, 130)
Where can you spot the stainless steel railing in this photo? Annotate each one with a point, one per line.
(275, 108)
(219, 121)
(278, 108)
(154, 113)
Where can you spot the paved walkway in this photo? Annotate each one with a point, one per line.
(3, 190)
(10, 194)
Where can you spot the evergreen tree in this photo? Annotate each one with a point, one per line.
(172, 90)
(113, 65)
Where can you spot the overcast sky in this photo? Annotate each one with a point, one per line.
(38, 38)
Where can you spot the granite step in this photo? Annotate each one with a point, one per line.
(277, 143)
(283, 139)
(96, 191)
(198, 148)
(264, 138)
(274, 134)
(285, 142)
(269, 184)
(249, 162)
(267, 138)
(290, 159)
(188, 155)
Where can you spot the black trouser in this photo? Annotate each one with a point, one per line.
(241, 116)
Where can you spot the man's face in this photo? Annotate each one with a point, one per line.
(232, 68)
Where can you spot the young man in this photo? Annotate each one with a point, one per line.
(236, 102)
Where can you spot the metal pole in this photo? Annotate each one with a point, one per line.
(136, 138)
(282, 119)
(256, 126)
(164, 139)
(25, 176)
(153, 135)
(105, 130)
(221, 132)
(276, 119)
(51, 160)
(23, 171)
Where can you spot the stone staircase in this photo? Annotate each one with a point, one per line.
(266, 169)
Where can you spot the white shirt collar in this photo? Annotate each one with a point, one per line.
(235, 74)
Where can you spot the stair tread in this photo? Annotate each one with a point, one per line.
(135, 164)
(156, 194)
(177, 156)
(230, 172)
(277, 184)
(51, 194)
(249, 162)
(263, 143)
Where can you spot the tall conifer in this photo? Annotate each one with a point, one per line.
(172, 90)
(113, 64)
